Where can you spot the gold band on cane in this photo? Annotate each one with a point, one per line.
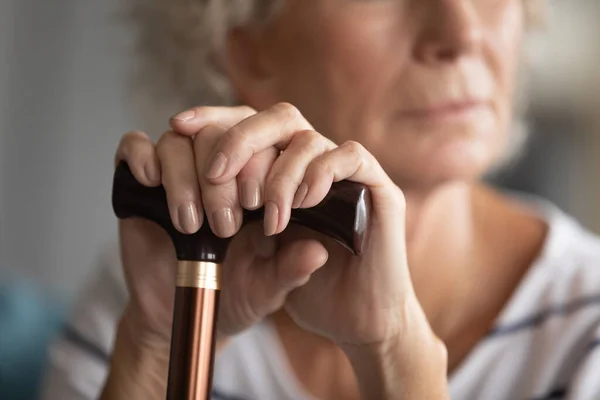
(198, 274)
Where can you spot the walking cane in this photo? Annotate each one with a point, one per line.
(342, 215)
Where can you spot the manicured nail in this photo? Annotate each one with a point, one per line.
(185, 115)
(217, 166)
(224, 222)
(251, 194)
(271, 218)
(188, 218)
(300, 195)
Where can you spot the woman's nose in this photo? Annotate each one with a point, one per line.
(448, 30)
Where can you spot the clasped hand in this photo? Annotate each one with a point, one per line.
(214, 162)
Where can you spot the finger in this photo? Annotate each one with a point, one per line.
(179, 179)
(291, 268)
(146, 252)
(257, 277)
(221, 201)
(273, 127)
(138, 150)
(191, 121)
(249, 246)
(252, 177)
(351, 161)
(149, 265)
(285, 178)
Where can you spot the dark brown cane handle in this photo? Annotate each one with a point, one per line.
(342, 215)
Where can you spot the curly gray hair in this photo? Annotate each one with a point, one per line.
(180, 46)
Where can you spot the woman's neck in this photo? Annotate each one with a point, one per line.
(441, 245)
(468, 249)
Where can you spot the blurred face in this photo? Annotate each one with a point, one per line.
(425, 85)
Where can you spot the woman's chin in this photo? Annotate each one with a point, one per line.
(444, 173)
(465, 161)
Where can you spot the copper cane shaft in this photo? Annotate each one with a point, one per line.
(194, 325)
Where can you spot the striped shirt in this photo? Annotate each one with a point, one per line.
(545, 343)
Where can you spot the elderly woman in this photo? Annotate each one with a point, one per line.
(461, 292)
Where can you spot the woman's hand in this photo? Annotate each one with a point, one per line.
(216, 161)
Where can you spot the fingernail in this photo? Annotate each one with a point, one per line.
(251, 195)
(216, 166)
(271, 218)
(152, 174)
(224, 222)
(188, 217)
(300, 195)
(185, 115)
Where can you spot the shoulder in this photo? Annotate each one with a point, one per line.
(569, 266)
(548, 334)
(556, 308)
(566, 271)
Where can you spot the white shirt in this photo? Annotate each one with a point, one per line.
(545, 344)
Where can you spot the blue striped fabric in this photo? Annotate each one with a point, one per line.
(561, 310)
(74, 337)
(216, 395)
(560, 393)
(71, 335)
(553, 395)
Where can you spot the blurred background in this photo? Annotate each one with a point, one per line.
(64, 105)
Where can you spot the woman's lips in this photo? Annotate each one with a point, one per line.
(448, 111)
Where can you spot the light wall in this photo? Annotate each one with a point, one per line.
(61, 115)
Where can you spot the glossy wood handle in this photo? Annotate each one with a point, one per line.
(342, 215)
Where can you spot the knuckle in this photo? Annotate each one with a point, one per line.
(133, 144)
(236, 133)
(168, 134)
(164, 140)
(356, 152)
(129, 140)
(135, 135)
(237, 136)
(311, 141)
(320, 167)
(354, 147)
(287, 109)
(310, 136)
